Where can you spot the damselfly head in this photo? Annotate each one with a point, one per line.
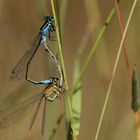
(49, 18)
(55, 80)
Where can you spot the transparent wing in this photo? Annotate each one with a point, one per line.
(20, 68)
(36, 112)
(44, 118)
(17, 112)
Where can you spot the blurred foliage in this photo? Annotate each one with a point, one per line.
(19, 24)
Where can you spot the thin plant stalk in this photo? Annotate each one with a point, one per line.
(137, 125)
(59, 43)
(67, 103)
(81, 48)
(56, 126)
(93, 49)
(119, 20)
(114, 71)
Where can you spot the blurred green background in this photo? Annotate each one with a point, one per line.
(19, 24)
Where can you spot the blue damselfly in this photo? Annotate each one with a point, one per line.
(24, 63)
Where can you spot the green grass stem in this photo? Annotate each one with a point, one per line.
(119, 20)
(67, 103)
(114, 70)
(94, 47)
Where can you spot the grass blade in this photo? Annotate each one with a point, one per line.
(114, 70)
(119, 20)
(56, 126)
(67, 103)
(94, 47)
(76, 100)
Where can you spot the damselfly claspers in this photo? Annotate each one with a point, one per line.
(10, 115)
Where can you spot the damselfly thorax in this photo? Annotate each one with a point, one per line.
(53, 90)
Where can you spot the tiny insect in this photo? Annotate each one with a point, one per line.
(10, 115)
